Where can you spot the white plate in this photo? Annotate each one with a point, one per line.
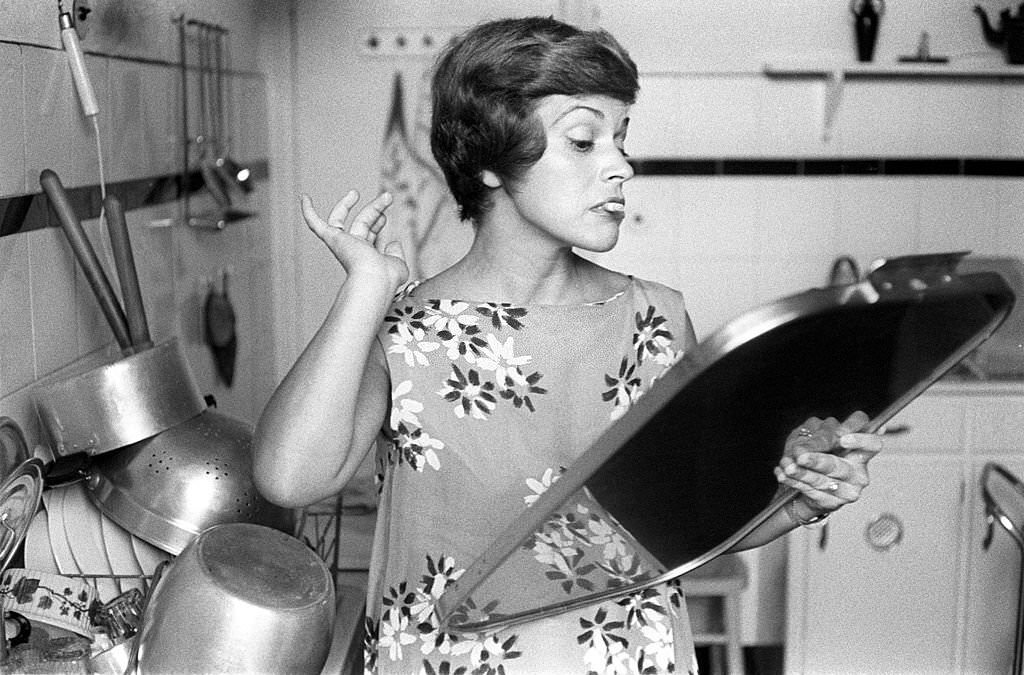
(54, 501)
(82, 522)
(38, 550)
(118, 544)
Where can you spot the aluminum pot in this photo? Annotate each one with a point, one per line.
(119, 403)
(240, 598)
(169, 488)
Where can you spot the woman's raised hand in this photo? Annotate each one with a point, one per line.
(357, 245)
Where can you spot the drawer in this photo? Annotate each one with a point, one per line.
(930, 424)
(996, 424)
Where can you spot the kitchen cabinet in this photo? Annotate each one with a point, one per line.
(900, 581)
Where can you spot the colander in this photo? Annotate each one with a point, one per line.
(169, 488)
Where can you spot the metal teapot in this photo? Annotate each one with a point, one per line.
(1009, 35)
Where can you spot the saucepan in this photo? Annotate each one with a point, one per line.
(118, 403)
(133, 398)
(169, 488)
(240, 598)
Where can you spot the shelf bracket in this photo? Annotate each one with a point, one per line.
(833, 96)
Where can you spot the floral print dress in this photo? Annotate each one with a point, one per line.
(490, 403)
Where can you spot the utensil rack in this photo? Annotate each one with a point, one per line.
(195, 142)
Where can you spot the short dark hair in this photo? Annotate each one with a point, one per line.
(486, 86)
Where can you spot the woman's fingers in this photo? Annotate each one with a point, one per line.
(371, 216)
(340, 211)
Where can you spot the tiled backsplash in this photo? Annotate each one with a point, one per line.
(50, 318)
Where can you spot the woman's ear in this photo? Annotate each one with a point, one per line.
(490, 179)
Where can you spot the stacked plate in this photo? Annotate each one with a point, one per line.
(69, 536)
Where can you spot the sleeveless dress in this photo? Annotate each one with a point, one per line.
(490, 402)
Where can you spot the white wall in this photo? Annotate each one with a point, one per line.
(727, 242)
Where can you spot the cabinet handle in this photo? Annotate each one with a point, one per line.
(897, 429)
(823, 537)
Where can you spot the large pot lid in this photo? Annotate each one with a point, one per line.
(688, 471)
(20, 495)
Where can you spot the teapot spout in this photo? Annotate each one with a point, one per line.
(992, 36)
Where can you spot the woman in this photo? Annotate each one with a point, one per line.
(489, 379)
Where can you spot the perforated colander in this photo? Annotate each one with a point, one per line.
(169, 488)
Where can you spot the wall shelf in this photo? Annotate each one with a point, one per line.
(835, 74)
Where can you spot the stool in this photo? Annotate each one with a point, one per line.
(724, 578)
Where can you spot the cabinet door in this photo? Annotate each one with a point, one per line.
(870, 608)
(993, 581)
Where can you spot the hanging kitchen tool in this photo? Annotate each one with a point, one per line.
(219, 322)
(169, 488)
(234, 175)
(127, 274)
(687, 472)
(207, 162)
(240, 599)
(86, 256)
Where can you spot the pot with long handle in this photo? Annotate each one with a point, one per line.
(127, 274)
(86, 257)
(118, 403)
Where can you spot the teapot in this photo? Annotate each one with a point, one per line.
(1009, 35)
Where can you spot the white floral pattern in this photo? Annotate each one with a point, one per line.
(465, 372)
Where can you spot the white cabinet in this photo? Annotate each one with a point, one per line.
(899, 582)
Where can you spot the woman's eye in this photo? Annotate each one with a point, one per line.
(581, 145)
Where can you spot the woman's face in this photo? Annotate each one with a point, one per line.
(573, 194)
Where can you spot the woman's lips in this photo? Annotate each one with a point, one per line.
(613, 206)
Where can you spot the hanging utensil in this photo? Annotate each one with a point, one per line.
(234, 174)
(207, 164)
(219, 314)
(86, 257)
(124, 260)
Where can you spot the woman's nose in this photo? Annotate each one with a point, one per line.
(618, 169)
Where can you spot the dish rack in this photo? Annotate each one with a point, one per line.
(321, 529)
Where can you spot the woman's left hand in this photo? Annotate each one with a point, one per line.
(827, 480)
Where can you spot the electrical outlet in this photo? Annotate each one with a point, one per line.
(403, 41)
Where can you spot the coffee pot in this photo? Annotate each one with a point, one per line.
(1008, 36)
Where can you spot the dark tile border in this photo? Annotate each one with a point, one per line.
(23, 213)
(831, 166)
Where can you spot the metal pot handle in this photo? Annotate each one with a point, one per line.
(133, 657)
(67, 470)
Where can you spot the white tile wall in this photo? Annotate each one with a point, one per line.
(148, 95)
(50, 317)
(57, 135)
(12, 121)
(17, 357)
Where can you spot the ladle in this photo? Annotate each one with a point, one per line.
(233, 173)
(207, 164)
